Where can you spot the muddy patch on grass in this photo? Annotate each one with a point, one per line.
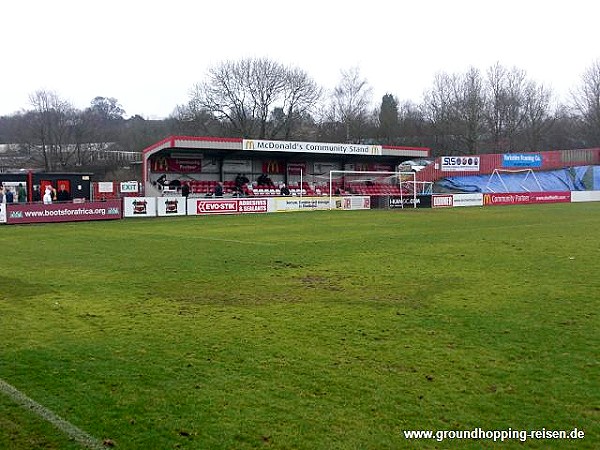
(20, 289)
(320, 282)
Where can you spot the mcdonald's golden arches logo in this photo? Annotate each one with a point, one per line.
(273, 167)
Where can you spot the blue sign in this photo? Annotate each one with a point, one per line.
(521, 160)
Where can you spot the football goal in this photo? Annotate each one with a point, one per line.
(525, 179)
(371, 183)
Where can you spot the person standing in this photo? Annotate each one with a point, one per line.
(21, 194)
(9, 196)
(37, 195)
(185, 190)
(48, 195)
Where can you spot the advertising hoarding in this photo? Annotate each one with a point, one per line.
(63, 212)
(139, 206)
(422, 201)
(521, 160)
(526, 198)
(460, 163)
(198, 206)
(171, 206)
(467, 199)
(442, 201)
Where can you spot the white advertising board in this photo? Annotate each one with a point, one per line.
(139, 207)
(356, 202)
(171, 206)
(585, 196)
(302, 203)
(460, 163)
(468, 199)
(2, 213)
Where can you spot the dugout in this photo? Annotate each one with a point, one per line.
(201, 162)
(77, 185)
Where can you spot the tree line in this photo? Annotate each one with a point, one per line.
(498, 110)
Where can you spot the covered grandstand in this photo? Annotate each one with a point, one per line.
(203, 162)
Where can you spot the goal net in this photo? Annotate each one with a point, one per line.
(397, 184)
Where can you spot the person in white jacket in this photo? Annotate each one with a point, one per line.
(48, 196)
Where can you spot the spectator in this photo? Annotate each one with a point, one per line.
(264, 180)
(9, 196)
(219, 190)
(240, 185)
(162, 181)
(185, 190)
(21, 194)
(37, 195)
(62, 194)
(241, 180)
(284, 190)
(1, 193)
(48, 195)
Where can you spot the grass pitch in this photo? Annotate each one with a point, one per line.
(316, 330)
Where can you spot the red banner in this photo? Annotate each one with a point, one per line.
(296, 168)
(63, 212)
(526, 198)
(176, 165)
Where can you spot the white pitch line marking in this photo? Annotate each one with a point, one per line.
(68, 428)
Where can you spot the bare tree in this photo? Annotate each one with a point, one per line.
(439, 111)
(538, 118)
(255, 97)
(242, 93)
(350, 103)
(192, 119)
(469, 109)
(586, 104)
(50, 123)
(300, 96)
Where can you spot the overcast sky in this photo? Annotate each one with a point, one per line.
(149, 54)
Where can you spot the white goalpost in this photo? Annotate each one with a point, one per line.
(375, 183)
(522, 183)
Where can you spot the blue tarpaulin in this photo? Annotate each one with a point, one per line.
(567, 179)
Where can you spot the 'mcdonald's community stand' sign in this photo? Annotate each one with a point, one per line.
(311, 147)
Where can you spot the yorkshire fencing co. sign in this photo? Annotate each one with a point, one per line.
(521, 160)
